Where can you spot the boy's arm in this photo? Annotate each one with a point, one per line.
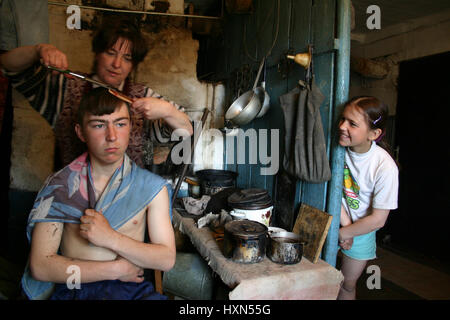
(159, 254)
(47, 265)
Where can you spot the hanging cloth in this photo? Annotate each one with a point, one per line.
(305, 155)
(23, 22)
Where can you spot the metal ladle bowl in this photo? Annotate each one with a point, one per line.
(264, 99)
(248, 106)
(244, 109)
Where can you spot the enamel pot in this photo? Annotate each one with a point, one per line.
(251, 204)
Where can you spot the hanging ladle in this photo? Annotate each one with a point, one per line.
(245, 108)
(262, 93)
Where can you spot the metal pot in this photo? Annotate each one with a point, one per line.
(285, 247)
(250, 199)
(251, 204)
(259, 215)
(213, 181)
(245, 241)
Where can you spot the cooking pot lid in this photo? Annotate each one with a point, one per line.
(250, 199)
(245, 228)
(214, 175)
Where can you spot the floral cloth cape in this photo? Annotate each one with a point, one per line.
(69, 192)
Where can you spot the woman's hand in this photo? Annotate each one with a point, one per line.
(152, 108)
(49, 55)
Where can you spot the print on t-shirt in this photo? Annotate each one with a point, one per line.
(351, 189)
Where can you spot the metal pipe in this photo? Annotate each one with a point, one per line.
(337, 152)
(136, 11)
(186, 165)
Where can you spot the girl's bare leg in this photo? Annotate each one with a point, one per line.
(352, 270)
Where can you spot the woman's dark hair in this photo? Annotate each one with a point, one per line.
(376, 113)
(98, 102)
(111, 30)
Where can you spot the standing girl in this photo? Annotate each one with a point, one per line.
(370, 187)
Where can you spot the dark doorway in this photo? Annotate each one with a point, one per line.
(422, 221)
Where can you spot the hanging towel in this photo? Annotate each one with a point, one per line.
(305, 155)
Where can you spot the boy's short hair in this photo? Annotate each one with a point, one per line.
(111, 30)
(99, 102)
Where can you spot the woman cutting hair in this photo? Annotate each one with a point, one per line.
(119, 47)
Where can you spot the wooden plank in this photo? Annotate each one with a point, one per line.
(323, 24)
(312, 225)
(300, 23)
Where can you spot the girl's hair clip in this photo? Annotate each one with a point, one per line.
(375, 121)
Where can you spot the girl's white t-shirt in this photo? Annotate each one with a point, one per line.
(370, 181)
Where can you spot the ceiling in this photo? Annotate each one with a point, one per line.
(396, 11)
(393, 12)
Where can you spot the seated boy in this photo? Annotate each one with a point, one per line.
(90, 218)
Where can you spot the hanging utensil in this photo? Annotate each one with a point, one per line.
(111, 90)
(265, 102)
(245, 108)
(303, 59)
(186, 165)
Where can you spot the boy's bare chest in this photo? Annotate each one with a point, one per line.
(75, 246)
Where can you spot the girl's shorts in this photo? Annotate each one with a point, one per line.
(364, 247)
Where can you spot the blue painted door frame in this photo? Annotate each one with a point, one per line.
(294, 24)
